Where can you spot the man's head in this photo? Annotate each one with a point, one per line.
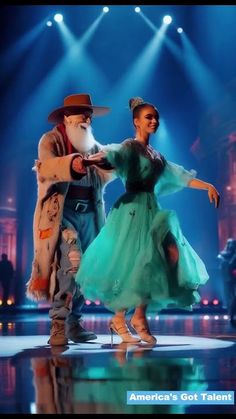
(231, 245)
(76, 114)
(75, 105)
(79, 131)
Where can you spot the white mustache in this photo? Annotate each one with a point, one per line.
(80, 136)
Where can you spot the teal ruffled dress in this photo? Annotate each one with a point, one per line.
(125, 265)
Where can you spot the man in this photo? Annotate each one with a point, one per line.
(6, 276)
(69, 214)
(227, 265)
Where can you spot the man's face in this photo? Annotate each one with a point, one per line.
(75, 120)
(79, 131)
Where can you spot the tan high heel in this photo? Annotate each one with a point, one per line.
(119, 326)
(142, 329)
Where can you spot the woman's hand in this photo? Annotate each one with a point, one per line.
(213, 195)
(94, 159)
(98, 159)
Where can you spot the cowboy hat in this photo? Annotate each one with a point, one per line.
(73, 104)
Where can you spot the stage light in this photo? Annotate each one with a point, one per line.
(215, 302)
(87, 302)
(167, 19)
(9, 302)
(0, 302)
(206, 317)
(137, 9)
(58, 17)
(205, 302)
(49, 23)
(180, 30)
(97, 302)
(105, 9)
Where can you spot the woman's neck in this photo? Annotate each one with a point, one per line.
(144, 139)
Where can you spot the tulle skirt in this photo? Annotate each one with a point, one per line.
(125, 266)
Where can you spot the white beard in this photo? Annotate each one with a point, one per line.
(80, 136)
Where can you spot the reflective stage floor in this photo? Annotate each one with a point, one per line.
(194, 352)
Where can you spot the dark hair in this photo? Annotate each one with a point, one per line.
(137, 103)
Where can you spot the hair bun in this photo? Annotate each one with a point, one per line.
(135, 101)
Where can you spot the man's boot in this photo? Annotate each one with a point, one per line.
(76, 332)
(57, 333)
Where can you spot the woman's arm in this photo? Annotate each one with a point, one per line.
(213, 194)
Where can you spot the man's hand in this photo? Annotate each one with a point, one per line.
(78, 166)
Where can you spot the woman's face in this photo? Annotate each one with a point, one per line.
(147, 121)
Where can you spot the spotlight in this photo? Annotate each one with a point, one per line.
(87, 302)
(58, 18)
(167, 19)
(105, 9)
(49, 23)
(137, 9)
(205, 302)
(180, 30)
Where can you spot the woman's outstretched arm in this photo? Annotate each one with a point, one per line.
(213, 194)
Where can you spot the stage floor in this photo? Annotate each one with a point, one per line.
(194, 353)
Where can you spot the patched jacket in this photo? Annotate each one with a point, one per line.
(54, 174)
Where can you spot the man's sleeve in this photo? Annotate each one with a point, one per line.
(52, 168)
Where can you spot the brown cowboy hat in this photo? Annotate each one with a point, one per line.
(73, 104)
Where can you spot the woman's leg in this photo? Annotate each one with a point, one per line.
(172, 256)
(139, 323)
(140, 312)
(171, 250)
(118, 325)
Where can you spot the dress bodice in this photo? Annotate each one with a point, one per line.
(143, 169)
(141, 166)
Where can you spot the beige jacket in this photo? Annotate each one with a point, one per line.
(53, 170)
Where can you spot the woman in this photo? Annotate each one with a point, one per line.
(141, 256)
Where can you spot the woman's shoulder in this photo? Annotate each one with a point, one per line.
(128, 142)
(158, 155)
